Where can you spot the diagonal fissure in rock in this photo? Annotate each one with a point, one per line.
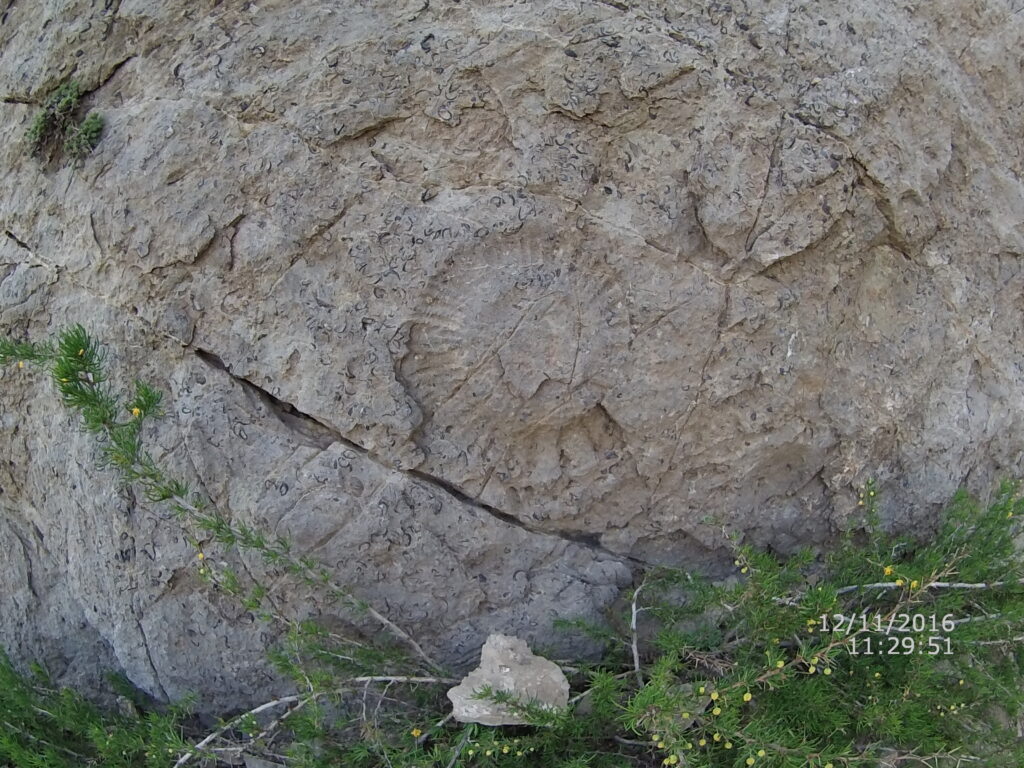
(17, 240)
(323, 435)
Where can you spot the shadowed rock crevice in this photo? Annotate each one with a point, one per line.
(312, 429)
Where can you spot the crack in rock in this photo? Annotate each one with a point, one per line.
(324, 435)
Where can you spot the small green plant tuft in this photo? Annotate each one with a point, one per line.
(56, 127)
(83, 138)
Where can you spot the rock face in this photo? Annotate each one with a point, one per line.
(486, 303)
(507, 665)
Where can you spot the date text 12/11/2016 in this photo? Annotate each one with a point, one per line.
(897, 622)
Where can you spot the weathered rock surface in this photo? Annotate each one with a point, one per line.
(506, 298)
(507, 665)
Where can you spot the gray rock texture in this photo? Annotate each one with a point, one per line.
(486, 303)
(507, 665)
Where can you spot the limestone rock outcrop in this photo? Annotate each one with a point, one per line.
(485, 303)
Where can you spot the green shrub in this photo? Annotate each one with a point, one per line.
(56, 127)
(83, 138)
(43, 727)
(890, 651)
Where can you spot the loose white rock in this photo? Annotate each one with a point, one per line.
(508, 664)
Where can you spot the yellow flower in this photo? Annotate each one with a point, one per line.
(136, 412)
(505, 750)
(750, 761)
(812, 669)
(202, 571)
(744, 569)
(519, 753)
(416, 733)
(701, 689)
(899, 582)
(888, 570)
(470, 752)
(826, 671)
(961, 682)
(81, 352)
(878, 674)
(860, 503)
(686, 715)
(871, 493)
(201, 556)
(655, 737)
(747, 696)
(913, 584)
(717, 737)
(760, 753)
(661, 745)
(716, 711)
(829, 765)
(489, 752)
(814, 660)
(702, 743)
(736, 563)
(780, 664)
(21, 363)
(689, 745)
(728, 745)
(714, 695)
